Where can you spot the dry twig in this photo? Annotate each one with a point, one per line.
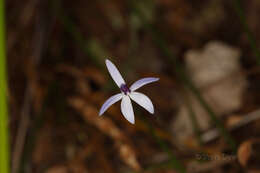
(38, 43)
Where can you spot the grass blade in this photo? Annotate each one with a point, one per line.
(242, 18)
(173, 160)
(4, 147)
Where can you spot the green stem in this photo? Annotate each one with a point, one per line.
(242, 18)
(4, 146)
(174, 162)
(194, 122)
(91, 47)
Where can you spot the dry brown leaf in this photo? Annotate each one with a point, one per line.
(214, 71)
(104, 124)
(58, 169)
(77, 167)
(244, 152)
(248, 155)
(87, 72)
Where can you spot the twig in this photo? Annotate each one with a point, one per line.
(39, 40)
(213, 134)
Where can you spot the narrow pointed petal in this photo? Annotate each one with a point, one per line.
(142, 82)
(115, 74)
(142, 100)
(109, 102)
(127, 109)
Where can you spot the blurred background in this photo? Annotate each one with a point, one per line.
(205, 53)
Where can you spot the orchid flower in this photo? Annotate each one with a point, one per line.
(127, 94)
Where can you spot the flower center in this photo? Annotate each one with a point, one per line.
(125, 89)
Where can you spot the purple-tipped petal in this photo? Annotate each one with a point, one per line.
(115, 74)
(109, 102)
(142, 82)
(142, 100)
(127, 109)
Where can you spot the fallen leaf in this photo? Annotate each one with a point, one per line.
(104, 124)
(216, 72)
(248, 155)
(58, 169)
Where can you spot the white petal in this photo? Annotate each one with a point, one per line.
(115, 74)
(142, 82)
(127, 109)
(109, 102)
(142, 100)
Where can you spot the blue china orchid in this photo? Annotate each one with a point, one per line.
(127, 94)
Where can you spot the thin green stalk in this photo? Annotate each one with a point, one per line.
(176, 164)
(178, 69)
(157, 166)
(87, 47)
(91, 47)
(173, 161)
(242, 18)
(4, 144)
(193, 119)
(165, 165)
